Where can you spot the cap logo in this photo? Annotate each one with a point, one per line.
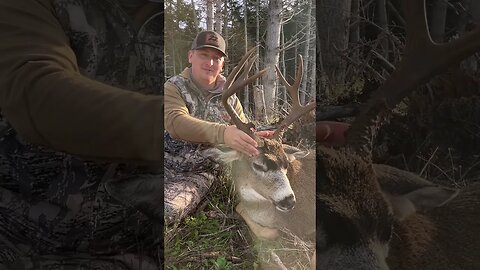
(211, 38)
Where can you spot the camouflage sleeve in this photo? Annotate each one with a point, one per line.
(181, 125)
(48, 102)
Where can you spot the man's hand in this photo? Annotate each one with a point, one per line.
(327, 133)
(240, 141)
(265, 133)
(331, 133)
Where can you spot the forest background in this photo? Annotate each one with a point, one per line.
(350, 47)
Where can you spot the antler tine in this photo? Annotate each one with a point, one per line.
(297, 109)
(233, 75)
(234, 84)
(421, 61)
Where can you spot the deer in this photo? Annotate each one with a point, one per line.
(374, 216)
(276, 189)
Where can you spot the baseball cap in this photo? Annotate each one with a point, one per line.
(209, 39)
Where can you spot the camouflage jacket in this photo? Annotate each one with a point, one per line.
(62, 70)
(183, 97)
(186, 97)
(188, 173)
(111, 49)
(203, 106)
(59, 73)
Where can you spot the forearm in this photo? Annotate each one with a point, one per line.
(181, 125)
(48, 102)
(71, 113)
(188, 128)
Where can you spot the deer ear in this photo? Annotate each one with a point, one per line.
(294, 153)
(401, 207)
(226, 155)
(421, 199)
(430, 197)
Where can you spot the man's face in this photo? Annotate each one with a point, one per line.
(207, 63)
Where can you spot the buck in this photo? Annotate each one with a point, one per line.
(276, 189)
(372, 216)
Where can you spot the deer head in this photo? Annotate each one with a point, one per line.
(359, 204)
(264, 177)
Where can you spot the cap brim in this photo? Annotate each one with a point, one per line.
(210, 46)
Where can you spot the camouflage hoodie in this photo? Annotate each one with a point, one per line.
(195, 119)
(65, 72)
(186, 106)
(77, 77)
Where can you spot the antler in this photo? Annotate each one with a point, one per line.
(233, 85)
(297, 109)
(421, 61)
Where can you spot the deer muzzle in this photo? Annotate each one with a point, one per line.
(286, 204)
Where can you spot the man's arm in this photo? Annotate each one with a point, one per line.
(181, 125)
(48, 102)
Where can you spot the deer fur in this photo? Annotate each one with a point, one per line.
(259, 193)
(267, 199)
(301, 219)
(378, 217)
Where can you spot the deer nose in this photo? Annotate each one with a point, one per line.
(287, 203)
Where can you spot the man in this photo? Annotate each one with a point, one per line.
(80, 91)
(194, 120)
(203, 79)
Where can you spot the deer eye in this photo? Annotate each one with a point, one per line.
(271, 164)
(260, 166)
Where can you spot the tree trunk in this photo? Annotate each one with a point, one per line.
(306, 56)
(259, 97)
(322, 80)
(174, 55)
(333, 31)
(218, 16)
(195, 20)
(210, 15)
(383, 23)
(355, 29)
(437, 20)
(313, 74)
(257, 38)
(246, 99)
(282, 90)
(225, 33)
(272, 54)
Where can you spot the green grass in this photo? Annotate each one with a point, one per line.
(215, 237)
(212, 238)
